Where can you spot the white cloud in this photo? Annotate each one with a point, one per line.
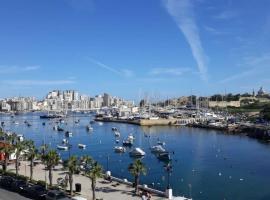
(183, 14)
(37, 82)
(226, 14)
(169, 71)
(121, 72)
(16, 69)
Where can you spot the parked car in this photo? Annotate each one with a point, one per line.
(78, 198)
(36, 192)
(19, 186)
(56, 195)
(6, 181)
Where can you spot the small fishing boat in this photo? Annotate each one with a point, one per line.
(127, 142)
(114, 129)
(137, 152)
(43, 123)
(59, 128)
(117, 134)
(161, 143)
(77, 121)
(119, 149)
(117, 141)
(68, 134)
(131, 137)
(60, 147)
(82, 146)
(165, 156)
(20, 138)
(89, 128)
(65, 141)
(157, 149)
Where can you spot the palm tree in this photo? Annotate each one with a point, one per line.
(50, 159)
(94, 172)
(73, 166)
(136, 169)
(31, 155)
(19, 148)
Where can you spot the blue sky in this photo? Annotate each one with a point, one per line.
(165, 48)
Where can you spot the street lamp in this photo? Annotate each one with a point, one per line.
(169, 170)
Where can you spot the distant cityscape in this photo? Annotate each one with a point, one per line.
(71, 100)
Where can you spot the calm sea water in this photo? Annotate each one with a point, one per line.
(207, 165)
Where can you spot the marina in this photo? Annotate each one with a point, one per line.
(202, 159)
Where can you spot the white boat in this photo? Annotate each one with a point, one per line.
(157, 149)
(137, 152)
(55, 127)
(119, 149)
(20, 138)
(68, 134)
(131, 137)
(60, 147)
(16, 123)
(89, 128)
(116, 133)
(65, 141)
(82, 146)
(161, 143)
(114, 129)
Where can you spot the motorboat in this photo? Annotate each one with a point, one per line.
(60, 147)
(82, 146)
(119, 149)
(65, 141)
(77, 121)
(89, 128)
(43, 123)
(59, 128)
(137, 152)
(114, 129)
(20, 138)
(117, 141)
(116, 133)
(161, 143)
(127, 142)
(157, 149)
(164, 156)
(131, 137)
(68, 134)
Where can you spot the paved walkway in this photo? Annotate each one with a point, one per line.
(7, 195)
(105, 190)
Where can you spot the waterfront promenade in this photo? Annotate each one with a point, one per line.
(105, 190)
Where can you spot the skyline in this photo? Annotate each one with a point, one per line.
(127, 48)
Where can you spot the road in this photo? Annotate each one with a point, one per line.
(7, 195)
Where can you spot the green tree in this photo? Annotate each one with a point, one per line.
(94, 172)
(72, 166)
(19, 147)
(50, 160)
(31, 155)
(136, 169)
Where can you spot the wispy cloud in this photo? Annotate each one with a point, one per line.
(4, 69)
(226, 14)
(238, 76)
(183, 14)
(257, 60)
(120, 72)
(169, 71)
(214, 31)
(37, 82)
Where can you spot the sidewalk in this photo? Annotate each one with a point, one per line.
(105, 190)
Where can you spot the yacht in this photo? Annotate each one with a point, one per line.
(119, 149)
(60, 147)
(137, 152)
(89, 128)
(157, 149)
(82, 146)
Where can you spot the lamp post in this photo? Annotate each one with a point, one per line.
(168, 168)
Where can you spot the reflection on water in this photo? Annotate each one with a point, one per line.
(206, 164)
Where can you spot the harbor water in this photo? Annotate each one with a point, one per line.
(207, 164)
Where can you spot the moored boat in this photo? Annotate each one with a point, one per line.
(60, 147)
(82, 146)
(119, 149)
(137, 152)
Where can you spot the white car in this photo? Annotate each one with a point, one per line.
(78, 198)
